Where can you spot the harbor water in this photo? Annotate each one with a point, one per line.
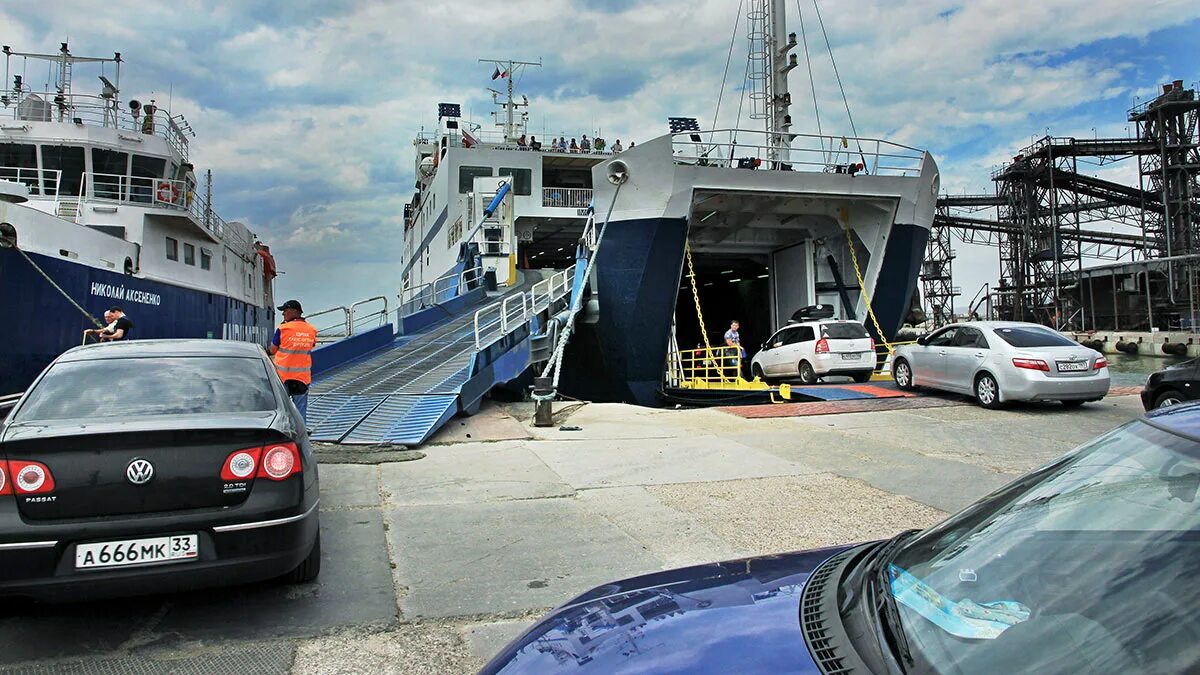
(1132, 370)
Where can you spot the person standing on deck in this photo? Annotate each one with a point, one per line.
(291, 350)
(118, 329)
(734, 339)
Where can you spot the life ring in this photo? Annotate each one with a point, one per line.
(167, 193)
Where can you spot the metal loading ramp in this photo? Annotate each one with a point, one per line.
(405, 393)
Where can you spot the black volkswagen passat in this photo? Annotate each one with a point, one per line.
(155, 465)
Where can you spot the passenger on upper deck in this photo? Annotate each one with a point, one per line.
(574, 146)
(600, 143)
(585, 146)
(617, 146)
(534, 144)
(521, 142)
(562, 144)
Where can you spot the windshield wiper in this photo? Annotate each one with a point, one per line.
(886, 608)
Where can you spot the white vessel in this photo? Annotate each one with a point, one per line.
(99, 196)
(775, 220)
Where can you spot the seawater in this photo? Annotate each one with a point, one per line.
(1131, 371)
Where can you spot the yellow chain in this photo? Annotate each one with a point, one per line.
(862, 287)
(687, 248)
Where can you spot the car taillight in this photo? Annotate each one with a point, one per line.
(872, 341)
(280, 461)
(1101, 363)
(5, 485)
(1031, 364)
(30, 478)
(822, 346)
(240, 464)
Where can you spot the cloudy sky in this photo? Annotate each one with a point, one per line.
(305, 109)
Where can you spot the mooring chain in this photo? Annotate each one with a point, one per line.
(862, 287)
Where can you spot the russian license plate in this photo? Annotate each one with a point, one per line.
(851, 357)
(1072, 367)
(137, 552)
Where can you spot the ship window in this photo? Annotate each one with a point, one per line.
(522, 179)
(67, 159)
(18, 162)
(205, 260)
(146, 172)
(172, 249)
(108, 170)
(467, 176)
(189, 255)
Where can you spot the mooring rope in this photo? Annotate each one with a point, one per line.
(11, 242)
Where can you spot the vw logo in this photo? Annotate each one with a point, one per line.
(139, 472)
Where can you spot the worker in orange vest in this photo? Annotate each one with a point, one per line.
(291, 349)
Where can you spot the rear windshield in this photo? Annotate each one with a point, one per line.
(1033, 337)
(848, 330)
(149, 386)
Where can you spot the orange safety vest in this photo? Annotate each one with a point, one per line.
(293, 360)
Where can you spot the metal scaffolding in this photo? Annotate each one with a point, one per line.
(1042, 203)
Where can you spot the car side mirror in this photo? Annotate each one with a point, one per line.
(764, 347)
(923, 340)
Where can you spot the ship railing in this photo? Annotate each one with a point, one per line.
(39, 181)
(177, 195)
(439, 290)
(159, 192)
(93, 110)
(571, 198)
(360, 319)
(548, 290)
(498, 319)
(750, 149)
(341, 326)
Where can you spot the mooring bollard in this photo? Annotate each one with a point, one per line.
(543, 398)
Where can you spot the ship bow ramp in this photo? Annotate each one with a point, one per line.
(767, 237)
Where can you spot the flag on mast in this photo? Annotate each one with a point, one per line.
(497, 74)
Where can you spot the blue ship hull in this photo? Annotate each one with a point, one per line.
(622, 355)
(41, 324)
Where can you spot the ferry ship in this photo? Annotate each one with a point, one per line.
(773, 220)
(101, 206)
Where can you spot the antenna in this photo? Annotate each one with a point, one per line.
(507, 69)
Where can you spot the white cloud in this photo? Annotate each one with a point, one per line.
(306, 119)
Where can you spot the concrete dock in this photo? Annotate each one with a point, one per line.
(431, 565)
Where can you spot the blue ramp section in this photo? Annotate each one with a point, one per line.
(402, 394)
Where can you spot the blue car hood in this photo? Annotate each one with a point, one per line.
(739, 616)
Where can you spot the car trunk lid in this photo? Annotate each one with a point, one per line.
(846, 337)
(1065, 362)
(90, 463)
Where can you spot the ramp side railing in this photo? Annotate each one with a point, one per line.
(437, 291)
(372, 319)
(499, 318)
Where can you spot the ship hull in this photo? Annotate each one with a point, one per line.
(620, 356)
(42, 323)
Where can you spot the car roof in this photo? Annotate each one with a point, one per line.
(999, 324)
(1182, 419)
(131, 349)
(815, 322)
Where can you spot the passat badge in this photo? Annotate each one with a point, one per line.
(139, 472)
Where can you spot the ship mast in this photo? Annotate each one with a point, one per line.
(507, 68)
(770, 63)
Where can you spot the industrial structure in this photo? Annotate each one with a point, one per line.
(1042, 217)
